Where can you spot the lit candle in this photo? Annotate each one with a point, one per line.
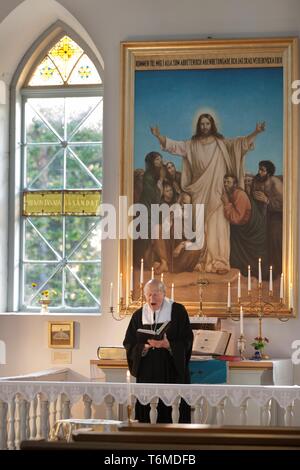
(271, 280)
(142, 272)
(259, 270)
(239, 286)
(111, 295)
(128, 387)
(228, 296)
(172, 291)
(121, 287)
(152, 273)
(162, 277)
(291, 296)
(241, 321)
(281, 287)
(249, 278)
(131, 278)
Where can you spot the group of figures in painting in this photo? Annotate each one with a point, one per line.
(242, 211)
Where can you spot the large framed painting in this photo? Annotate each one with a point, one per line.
(210, 126)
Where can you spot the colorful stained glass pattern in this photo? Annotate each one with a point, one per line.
(65, 63)
(84, 72)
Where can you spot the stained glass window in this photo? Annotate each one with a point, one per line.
(65, 63)
(62, 159)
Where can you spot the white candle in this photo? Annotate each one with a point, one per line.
(249, 278)
(271, 280)
(152, 273)
(241, 321)
(121, 287)
(128, 387)
(111, 295)
(172, 291)
(142, 272)
(281, 287)
(259, 270)
(228, 296)
(239, 286)
(131, 279)
(291, 296)
(162, 277)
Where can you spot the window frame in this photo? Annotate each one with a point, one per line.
(20, 92)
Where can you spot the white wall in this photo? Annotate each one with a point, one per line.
(103, 24)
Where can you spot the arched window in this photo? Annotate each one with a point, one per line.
(61, 181)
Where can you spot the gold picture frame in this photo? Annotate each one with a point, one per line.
(61, 334)
(243, 81)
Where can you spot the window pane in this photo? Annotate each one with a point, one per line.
(46, 74)
(52, 112)
(76, 230)
(65, 54)
(78, 110)
(50, 229)
(84, 72)
(91, 157)
(76, 295)
(44, 166)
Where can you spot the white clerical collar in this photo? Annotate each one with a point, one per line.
(162, 315)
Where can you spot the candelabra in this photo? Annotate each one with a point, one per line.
(125, 308)
(256, 306)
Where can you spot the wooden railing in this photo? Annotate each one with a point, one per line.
(30, 409)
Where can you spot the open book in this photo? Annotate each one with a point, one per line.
(144, 334)
(210, 343)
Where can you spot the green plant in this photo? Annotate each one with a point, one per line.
(259, 343)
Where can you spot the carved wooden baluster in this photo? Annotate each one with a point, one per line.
(289, 414)
(175, 410)
(220, 412)
(244, 412)
(11, 424)
(133, 401)
(265, 413)
(87, 413)
(23, 419)
(109, 402)
(153, 410)
(3, 428)
(45, 418)
(27, 426)
(39, 417)
(66, 410)
(17, 422)
(32, 418)
(52, 415)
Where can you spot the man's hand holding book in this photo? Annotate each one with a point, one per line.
(159, 343)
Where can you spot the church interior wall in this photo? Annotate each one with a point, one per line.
(103, 25)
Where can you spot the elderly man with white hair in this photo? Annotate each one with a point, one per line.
(160, 361)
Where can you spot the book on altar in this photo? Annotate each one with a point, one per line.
(143, 334)
(210, 342)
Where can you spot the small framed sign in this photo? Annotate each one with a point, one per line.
(61, 334)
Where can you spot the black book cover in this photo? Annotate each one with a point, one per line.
(144, 334)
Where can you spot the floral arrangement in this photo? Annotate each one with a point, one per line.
(45, 294)
(259, 343)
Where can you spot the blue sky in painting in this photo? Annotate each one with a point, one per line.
(238, 98)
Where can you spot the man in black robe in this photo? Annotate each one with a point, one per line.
(160, 361)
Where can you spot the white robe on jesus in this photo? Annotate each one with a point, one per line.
(204, 168)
